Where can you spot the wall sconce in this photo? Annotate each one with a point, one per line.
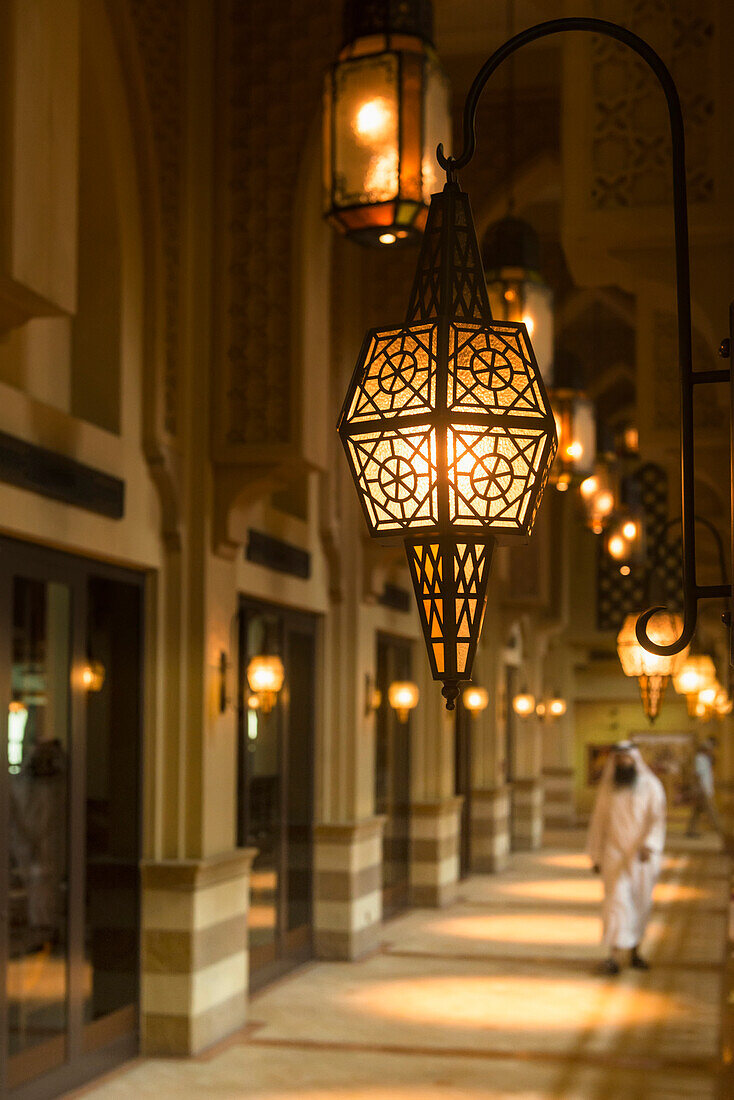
(556, 706)
(697, 672)
(386, 107)
(265, 675)
(523, 703)
(449, 436)
(93, 676)
(475, 699)
(652, 670)
(403, 696)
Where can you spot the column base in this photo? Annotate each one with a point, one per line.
(348, 888)
(195, 960)
(527, 814)
(490, 829)
(434, 852)
(559, 810)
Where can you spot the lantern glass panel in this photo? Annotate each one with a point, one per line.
(663, 629)
(516, 297)
(366, 148)
(437, 126)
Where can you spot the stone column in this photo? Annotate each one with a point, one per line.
(348, 888)
(435, 818)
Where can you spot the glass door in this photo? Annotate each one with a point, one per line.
(392, 775)
(70, 675)
(276, 788)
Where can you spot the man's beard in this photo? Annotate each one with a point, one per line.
(624, 775)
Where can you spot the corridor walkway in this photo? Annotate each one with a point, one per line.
(496, 996)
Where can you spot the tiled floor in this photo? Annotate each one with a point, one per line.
(496, 996)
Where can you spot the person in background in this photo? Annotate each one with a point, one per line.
(703, 788)
(625, 844)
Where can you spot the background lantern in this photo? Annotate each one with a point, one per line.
(516, 289)
(651, 670)
(575, 424)
(599, 492)
(695, 673)
(386, 107)
(449, 436)
(475, 699)
(265, 675)
(523, 703)
(625, 540)
(93, 676)
(403, 696)
(556, 706)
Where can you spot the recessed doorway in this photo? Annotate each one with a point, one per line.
(392, 775)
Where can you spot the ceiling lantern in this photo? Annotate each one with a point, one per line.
(517, 291)
(575, 423)
(449, 436)
(386, 108)
(652, 671)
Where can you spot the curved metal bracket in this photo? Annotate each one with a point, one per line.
(692, 592)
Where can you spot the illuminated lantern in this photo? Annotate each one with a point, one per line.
(93, 676)
(696, 673)
(575, 423)
(265, 675)
(386, 108)
(403, 696)
(449, 436)
(475, 699)
(723, 703)
(625, 540)
(556, 706)
(651, 671)
(524, 703)
(517, 292)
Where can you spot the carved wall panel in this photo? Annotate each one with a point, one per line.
(631, 144)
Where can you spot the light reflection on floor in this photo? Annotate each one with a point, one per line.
(525, 928)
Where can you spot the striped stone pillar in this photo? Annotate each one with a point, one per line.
(348, 888)
(527, 814)
(558, 800)
(195, 965)
(490, 829)
(434, 851)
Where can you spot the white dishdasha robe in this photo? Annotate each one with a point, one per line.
(624, 820)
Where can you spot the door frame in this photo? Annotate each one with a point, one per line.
(293, 947)
(85, 1050)
(395, 897)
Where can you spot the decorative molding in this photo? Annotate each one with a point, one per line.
(630, 159)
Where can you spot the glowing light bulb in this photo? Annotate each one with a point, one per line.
(604, 503)
(510, 295)
(617, 546)
(523, 704)
(475, 699)
(529, 324)
(589, 486)
(375, 120)
(557, 706)
(575, 449)
(625, 570)
(630, 529)
(387, 238)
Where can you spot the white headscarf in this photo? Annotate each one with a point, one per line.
(606, 782)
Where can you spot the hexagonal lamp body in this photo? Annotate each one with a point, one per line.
(449, 435)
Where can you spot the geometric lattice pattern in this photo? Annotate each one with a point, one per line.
(652, 690)
(449, 435)
(450, 583)
(618, 596)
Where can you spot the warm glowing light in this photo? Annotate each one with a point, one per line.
(388, 238)
(697, 672)
(604, 503)
(574, 449)
(589, 486)
(375, 120)
(700, 710)
(93, 676)
(723, 703)
(652, 670)
(629, 529)
(253, 702)
(529, 324)
(510, 295)
(625, 570)
(707, 695)
(403, 696)
(617, 546)
(523, 704)
(265, 675)
(557, 706)
(475, 699)
(562, 484)
(540, 710)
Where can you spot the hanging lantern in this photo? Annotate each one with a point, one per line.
(575, 424)
(449, 435)
(523, 703)
(403, 696)
(697, 672)
(516, 289)
(625, 540)
(723, 703)
(265, 675)
(386, 108)
(652, 671)
(475, 699)
(556, 706)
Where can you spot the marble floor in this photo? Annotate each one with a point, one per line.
(497, 996)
